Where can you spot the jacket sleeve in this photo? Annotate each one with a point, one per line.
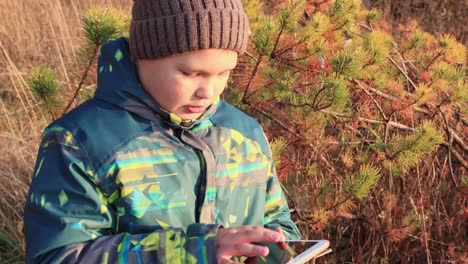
(276, 208)
(67, 218)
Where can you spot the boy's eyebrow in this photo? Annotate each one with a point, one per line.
(180, 65)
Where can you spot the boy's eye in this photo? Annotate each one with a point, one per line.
(196, 74)
(189, 74)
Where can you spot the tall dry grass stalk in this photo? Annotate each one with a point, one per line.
(32, 33)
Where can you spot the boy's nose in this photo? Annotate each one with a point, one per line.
(206, 90)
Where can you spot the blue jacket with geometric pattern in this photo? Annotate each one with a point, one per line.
(119, 180)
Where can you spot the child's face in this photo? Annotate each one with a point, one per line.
(186, 84)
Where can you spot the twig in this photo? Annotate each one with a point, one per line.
(366, 27)
(402, 60)
(281, 52)
(285, 127)
(373, 99)
(344, 143)
(284, 60)
(428, 253)
(458, 139)
(432, 240)
(450, 140)
(392, 98)
(252, 76)
(316, 103)
(83, 78)
(440, 53)
(456, 154)
(404, 73)
(272, 54)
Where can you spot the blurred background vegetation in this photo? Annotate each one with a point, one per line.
(341, 184)
(437, 17)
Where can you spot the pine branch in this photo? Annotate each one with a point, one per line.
(382, 113)
(315, 106)
(406, 148)
(272, 54)
(390, 123)
(295, 59)
(288, 129)
(394, 63)
(43, 85)
(83, 78)
(284, 50)
(392, 98)
(400, 126)
(454, 133)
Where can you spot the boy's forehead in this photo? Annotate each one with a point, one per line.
(216, 58)
(208, 60)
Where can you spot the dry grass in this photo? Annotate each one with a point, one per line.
(31, 33)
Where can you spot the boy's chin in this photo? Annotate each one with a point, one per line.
(190, 116)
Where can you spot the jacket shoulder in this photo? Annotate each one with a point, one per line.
(100, 127)
(231, 117)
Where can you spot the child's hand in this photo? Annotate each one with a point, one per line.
(238, 241)
(281, 244)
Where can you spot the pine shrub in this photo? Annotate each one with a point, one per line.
(371, 130)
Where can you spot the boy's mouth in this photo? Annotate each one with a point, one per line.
(195, 109)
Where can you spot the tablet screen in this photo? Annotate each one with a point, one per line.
(291, 250)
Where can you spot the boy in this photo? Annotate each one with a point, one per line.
(156, 168)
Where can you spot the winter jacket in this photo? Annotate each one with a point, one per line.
(119, 180)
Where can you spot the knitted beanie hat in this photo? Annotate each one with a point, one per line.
(160, 28)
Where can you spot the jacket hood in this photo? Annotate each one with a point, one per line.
(118, 84)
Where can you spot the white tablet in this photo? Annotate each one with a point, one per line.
(295, 251)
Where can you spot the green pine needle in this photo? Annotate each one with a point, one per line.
(263, 37)
(337, 92)
(445, 71)
(341, 11)
(378, 44)
(360, 185)
(102, 24)
(43, 85)
(278, 146)
(373, 15)
(347, 62)
(409, 150)
(289, 14)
